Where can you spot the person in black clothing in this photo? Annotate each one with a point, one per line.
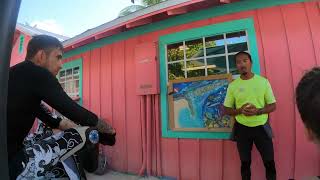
(31, 82)
(308, 103)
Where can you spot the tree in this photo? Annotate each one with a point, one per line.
(194, 49)
(130, 9)
(151, 2)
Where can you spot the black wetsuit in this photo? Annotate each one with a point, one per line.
(28, 85)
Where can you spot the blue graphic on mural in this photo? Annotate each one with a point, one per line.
(199, 104)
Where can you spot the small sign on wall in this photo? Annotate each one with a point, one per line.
(147, 74)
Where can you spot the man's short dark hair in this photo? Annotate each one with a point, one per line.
(243, 52)
(42, 42)
(308, 100)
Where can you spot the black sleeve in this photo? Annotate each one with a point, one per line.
(89, 158)
(51, 92)
(46, 116)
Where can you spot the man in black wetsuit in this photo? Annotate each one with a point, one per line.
(31, 82)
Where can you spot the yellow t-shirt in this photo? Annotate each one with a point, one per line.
(256, 91)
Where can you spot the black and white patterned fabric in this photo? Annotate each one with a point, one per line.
(50, 156)
(41, 132)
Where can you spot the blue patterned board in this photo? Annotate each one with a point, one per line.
(198, 105)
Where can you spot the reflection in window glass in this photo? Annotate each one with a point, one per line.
(69, 80)
(196, 73)
(194, 48)
(175, 52)
(76, 70)
(232, 65)
(76, 73)
(219, 50)
(195, 64)
(214, 45)
(195, 68)
(68, 88)
(176, 70)
(69, 72)
(62, 75)
(72, 84)
(76, 76)
(77, 86)
(236, 41)
(217, 65)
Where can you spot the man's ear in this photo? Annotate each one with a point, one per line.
(40, 58)
(310, 135)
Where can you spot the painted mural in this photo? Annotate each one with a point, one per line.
(196, 104)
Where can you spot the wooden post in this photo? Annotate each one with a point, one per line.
(8, 17)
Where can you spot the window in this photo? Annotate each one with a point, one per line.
(203, 51)
(70, 78)
(21, 41)
(205, 56)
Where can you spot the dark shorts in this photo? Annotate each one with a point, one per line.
(259, 135)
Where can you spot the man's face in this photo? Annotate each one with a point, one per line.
(53, 61)
(243, 64)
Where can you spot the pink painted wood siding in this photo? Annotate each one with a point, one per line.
(288, 43)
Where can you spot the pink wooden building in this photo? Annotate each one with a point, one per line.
(22, 36)
(104, 66)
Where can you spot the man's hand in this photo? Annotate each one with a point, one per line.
(104, 127)
(249, 109)
(67, 124)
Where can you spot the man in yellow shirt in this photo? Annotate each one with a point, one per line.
(250, 99)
